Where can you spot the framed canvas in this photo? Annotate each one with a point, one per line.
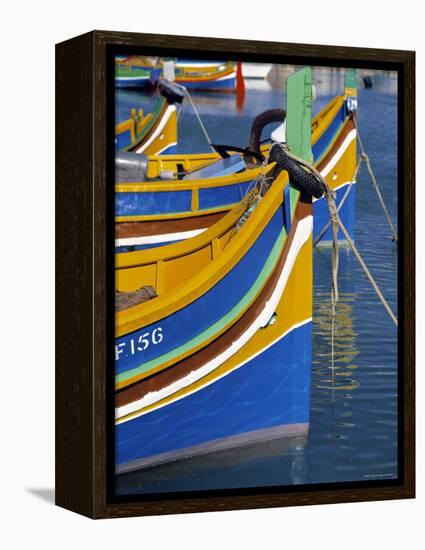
(235, 240)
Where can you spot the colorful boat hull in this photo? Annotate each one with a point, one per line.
(184, 206)
(153, 134)
(129, 76)
(263, 360)
(221, 356)
(219, 78)
(283, 389)
(225, 83)
(132, 82)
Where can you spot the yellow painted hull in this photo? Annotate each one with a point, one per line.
(151, 135)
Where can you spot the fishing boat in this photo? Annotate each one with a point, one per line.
(135, 72)
(206, 186)
(150, 64)
(155, 132)
(218, 353)
(216, 78)
(196, 64)
(132, 78)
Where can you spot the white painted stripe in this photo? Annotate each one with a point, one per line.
(302, 233)
(159, 129)
(334, 160)
(166, 146)
(209, 81)
(225, 77)
(151, 239)
(132, 77)
(272, 343)
(196, 64)
(344, 145)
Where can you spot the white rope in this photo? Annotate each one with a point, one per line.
(195, 110)
(336, 219)
(337, 224)
(341, 202)
(368, 274)
(180, 112)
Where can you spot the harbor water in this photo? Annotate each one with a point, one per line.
(353, 420)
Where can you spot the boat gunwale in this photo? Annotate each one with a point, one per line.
(302, 210)
(169, 359)
(188, 185)
(144, 314)
(150, 126)
(174, 215)
(182, 248)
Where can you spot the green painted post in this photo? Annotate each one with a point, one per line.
(298, 113)
(299, 98)
(351, 81)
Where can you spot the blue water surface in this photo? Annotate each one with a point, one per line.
(353, 424)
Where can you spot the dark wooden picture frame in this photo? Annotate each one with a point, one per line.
(84, 278)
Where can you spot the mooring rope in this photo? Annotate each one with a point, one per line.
(337, 223)
(365, 157)
(180, 112)
(254, 193)
(198, 116)
(341, 202)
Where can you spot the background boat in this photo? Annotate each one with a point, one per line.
(136, 72)
(151, 134)
(218, 78)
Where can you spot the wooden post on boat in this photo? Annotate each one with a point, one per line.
(299, 90)
(350, 86)
(298, 113)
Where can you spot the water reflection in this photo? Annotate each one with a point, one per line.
(333, 364)
(202, 471)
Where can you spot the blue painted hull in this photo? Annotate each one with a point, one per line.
(154, 74)
(347, 214)
(175, 202)
(142, 82)
(122, 140)
(190, 321)
(270, 390)
(228, 84)
(323, 142)
(320, 219)
(170, 150)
